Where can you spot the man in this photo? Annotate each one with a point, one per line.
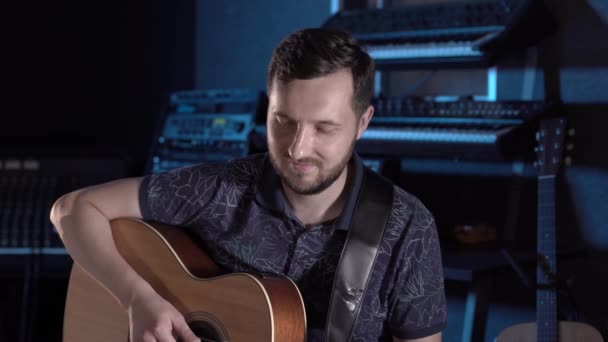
(286, 212)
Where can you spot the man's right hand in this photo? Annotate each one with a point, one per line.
(153, 319)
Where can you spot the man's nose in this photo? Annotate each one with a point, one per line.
(301, 143)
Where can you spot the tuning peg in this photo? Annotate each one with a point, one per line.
(571, 132)
(570, 147)
(568, 161)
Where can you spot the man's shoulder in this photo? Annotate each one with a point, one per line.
(238, 171)
(245, 167)
(409, 210)
(406, 200)
(402, 199)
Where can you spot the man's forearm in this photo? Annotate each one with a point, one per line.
(87, 236)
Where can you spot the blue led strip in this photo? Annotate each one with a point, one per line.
(443, 120)
(444, 137)
(32, 251)
(422, 51)
(17, 251)
(428, 33)
(334, 6)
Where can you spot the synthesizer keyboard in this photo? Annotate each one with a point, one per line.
(467, 130)
(459, 33)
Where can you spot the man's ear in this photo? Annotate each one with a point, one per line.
(364, 120)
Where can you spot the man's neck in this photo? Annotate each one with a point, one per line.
(321, 207)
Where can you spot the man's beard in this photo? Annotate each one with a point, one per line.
(318, 185)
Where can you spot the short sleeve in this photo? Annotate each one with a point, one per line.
(177, 196)
(418, 304)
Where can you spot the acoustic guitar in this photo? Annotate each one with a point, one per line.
(550, 151)
(217, 306)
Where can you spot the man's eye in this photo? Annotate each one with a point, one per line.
(284, 121)
(326, 130)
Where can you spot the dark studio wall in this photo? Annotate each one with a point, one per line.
(234, 39)
(85, 73)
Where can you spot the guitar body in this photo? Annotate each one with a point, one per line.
(568, 331)
(218, 307)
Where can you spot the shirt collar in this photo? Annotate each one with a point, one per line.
(270, 194)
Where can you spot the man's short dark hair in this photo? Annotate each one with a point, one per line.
(316, 52)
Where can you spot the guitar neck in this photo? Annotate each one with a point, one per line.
(546, 301)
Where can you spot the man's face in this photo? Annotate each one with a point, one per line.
(312, 130)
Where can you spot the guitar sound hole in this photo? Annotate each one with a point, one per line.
(205, 331)
(207, 327)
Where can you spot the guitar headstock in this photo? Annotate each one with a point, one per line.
(552, 146)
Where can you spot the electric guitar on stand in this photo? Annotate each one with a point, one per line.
(550, 151)
(217, 307)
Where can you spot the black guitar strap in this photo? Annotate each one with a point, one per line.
(373, 208)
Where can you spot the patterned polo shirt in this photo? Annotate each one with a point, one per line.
(245, 224)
